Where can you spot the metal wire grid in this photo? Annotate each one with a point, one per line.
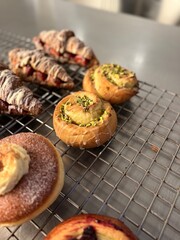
(134, 177)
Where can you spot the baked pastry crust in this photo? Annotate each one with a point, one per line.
(111, 82)
(91, 226)
(64, 46)
(15, 98)
(34, 66)
(83, 120)
(39, 187)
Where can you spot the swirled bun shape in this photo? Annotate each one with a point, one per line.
(31, 177)
(111, 82)
(91, 227)
(83, 120)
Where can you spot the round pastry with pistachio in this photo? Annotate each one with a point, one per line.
(84, 120)
(91, 227)
(111, 82)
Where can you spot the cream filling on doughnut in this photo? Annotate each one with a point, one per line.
(14, 164)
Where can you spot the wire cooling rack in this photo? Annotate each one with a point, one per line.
(134, 177)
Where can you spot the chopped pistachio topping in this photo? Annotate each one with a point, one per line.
(63, 115)
(84, 101)
(94, 122)
(114, 73)
(92, 76)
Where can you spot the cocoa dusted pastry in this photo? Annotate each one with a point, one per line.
(31, 177)
(111, 82)
(64, 46)
(91, 227)
(84, 120)
(34, 66)
(15, 98)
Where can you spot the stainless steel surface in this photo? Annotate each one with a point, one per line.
(163, 11)
(134, 177)
(150, 49)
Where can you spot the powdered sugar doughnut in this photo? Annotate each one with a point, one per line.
(39, 187)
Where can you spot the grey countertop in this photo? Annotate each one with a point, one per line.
(150, 49)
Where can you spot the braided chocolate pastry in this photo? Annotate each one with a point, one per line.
(83, 120)
(34, 66)
(64, 46)
(111, 82)
(15, 98)
(91, 227)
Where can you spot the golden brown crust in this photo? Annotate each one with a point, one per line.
(95, 81)
(88, 84)
(85, 136)
(37, 189)
(106, 228)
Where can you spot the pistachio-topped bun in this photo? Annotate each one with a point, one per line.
(111, 82)
(31, 177)
(91, 227)
(82, 119)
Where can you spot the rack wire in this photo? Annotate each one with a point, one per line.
(134, 177)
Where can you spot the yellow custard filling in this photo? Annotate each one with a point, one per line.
(14, 161)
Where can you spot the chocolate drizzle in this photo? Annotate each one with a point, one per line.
(33, 65)
(15, 98)
(58, 39)
(65, 47)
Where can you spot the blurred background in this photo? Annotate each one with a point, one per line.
(162, 11)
